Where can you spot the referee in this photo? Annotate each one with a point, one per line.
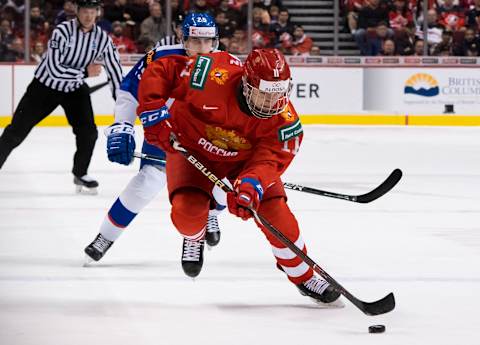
(75, 51)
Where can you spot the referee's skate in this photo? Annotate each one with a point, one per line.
(85, 185)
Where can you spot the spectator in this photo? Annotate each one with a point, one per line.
(67, 13)
(124, 44)
(225, 29)
(434, 29)
(466, 4)
(376, 39)
(238, 4)
(315, 51)
(469, 46)
(445, 47)
(117, 11)
(16, 51)
(153, 28)
(177, 28)
(6, 32)
(213, 3)
(232, 15)
(452, 17)
(16, 7)
(260, 4)
(103, 22)
(473, 16)
(274, 11)
(301, 44)
(270, 3)
(353, 8)
(369, 18)
(418, 48)
(404, 41)
(201, 6)
(11, 14)
(6, 38)
(223, 44)
(282, 29)
(417, 9)
(37, 53)
(388, 48)
(144, 45)
(239, 43)
(138, 10)
(400, 17)
(261, 37)
(37, 21)
(234, 48)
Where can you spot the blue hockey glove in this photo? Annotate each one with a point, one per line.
(120, 142)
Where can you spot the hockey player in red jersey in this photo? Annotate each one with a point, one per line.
(239, 122)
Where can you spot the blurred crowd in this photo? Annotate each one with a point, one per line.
(136, 25)
(379, 27)
(395, 27)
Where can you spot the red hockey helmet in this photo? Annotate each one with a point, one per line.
(266, 82)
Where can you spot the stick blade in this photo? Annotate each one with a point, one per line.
(383, 188)
(382, 306)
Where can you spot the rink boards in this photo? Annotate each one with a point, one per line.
(323, 95)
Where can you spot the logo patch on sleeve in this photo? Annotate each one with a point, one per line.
(200, 72)
(290, 131)
(53, 44)
(149, 57)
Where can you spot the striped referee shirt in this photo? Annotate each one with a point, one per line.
(70, 51)
(167, 41)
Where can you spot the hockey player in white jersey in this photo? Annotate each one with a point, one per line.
(200, 36)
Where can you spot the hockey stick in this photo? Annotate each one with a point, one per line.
(97, 87)
(382, 189)
(381, 306)
(152, 158)
(374, 194)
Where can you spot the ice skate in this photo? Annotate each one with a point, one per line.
(192, 257)
(212, 236)
(85, 185)
(97, 249)
(321, 292)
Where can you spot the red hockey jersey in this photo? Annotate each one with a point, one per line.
(211, 121)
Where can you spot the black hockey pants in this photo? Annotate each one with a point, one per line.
(36, 104)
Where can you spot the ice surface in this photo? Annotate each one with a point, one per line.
(421, 241)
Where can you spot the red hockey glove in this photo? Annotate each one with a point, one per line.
(157, 128)
(247, 194)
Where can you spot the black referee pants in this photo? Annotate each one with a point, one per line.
(36, 104)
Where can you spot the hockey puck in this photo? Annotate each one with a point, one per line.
(376, 329)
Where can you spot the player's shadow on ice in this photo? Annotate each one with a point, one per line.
(269, 307)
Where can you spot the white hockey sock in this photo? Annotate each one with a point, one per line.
(220, 198)
(140, 191)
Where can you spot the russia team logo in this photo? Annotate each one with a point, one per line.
(421, 84)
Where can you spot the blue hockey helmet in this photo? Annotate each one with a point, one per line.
(200, 25)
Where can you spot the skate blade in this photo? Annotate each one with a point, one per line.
(209, 246)
(85, 190)
(334, 305)
(88, 261)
